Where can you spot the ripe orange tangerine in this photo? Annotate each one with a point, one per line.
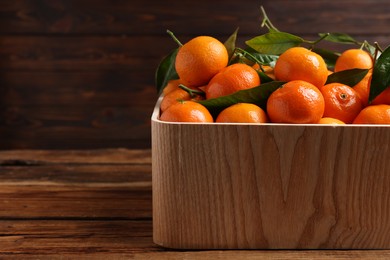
(299, 63)
(375, 114)
(199, 59)
(231, 79)
(298, 102)
(172, 85)
(186, 111)
(330, 121)
(242, 113)
(382, 98)
(268, 70)
(363, 88)
(341, 102)
(353, 59)
(175, 96)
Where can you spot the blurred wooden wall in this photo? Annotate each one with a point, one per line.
(78, 74)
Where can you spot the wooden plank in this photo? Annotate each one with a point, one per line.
(215, 254)
(124, 17)
(16, 139)
(74, 138)
(71, 157)
(90, 184)
(116, 88)
(128, 240)
(27, 172)
(75, 237)
(83, 53)
(264, 255)
(50, 200)
(48, 127)
(75, 110)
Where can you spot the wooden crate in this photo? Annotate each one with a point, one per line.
(270, 186)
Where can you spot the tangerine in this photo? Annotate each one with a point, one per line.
(199, 59)
(242, 113)
(267, 70)
(171, 85)
(330, 121)
(231, 79)
(299, 63)
(175, 96)
(353, 59)
(382, 98)
(186, 111)
(341, 102)
(375, 114)
(363, 88)
(296, 101)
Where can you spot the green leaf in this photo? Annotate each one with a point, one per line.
(347, 77)
(230, 43)
(329, 56)
(265, 59)
(253, 56)
(166, 71)
(380, 75)
(274, 42)
(339, 38)
(257, 95)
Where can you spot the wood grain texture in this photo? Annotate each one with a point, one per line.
(42, 199)
(99, 57)
(68, 230)
(270, 186)
(81, 157)
(93, 184)
(81, 54)
(214, 254)
(121, 17)
(75, 237)
(127, 240)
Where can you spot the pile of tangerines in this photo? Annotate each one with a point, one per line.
(205, 72)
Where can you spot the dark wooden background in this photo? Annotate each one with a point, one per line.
(79, 74)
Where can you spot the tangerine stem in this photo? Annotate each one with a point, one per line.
(362, 45)
(266, 21)
(377, 49)
(317, 41)
(192, 92)
(174, 38)
(247, 54)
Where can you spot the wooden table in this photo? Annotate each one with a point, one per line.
(97, 204)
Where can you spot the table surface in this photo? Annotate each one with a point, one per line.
(96, 204)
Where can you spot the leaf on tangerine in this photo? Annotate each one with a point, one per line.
(257, 95)
(380, 75)
(230, 43)
(330, 57)
(166, 71)
(338, 38)
(274, 42)
(349, 77)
